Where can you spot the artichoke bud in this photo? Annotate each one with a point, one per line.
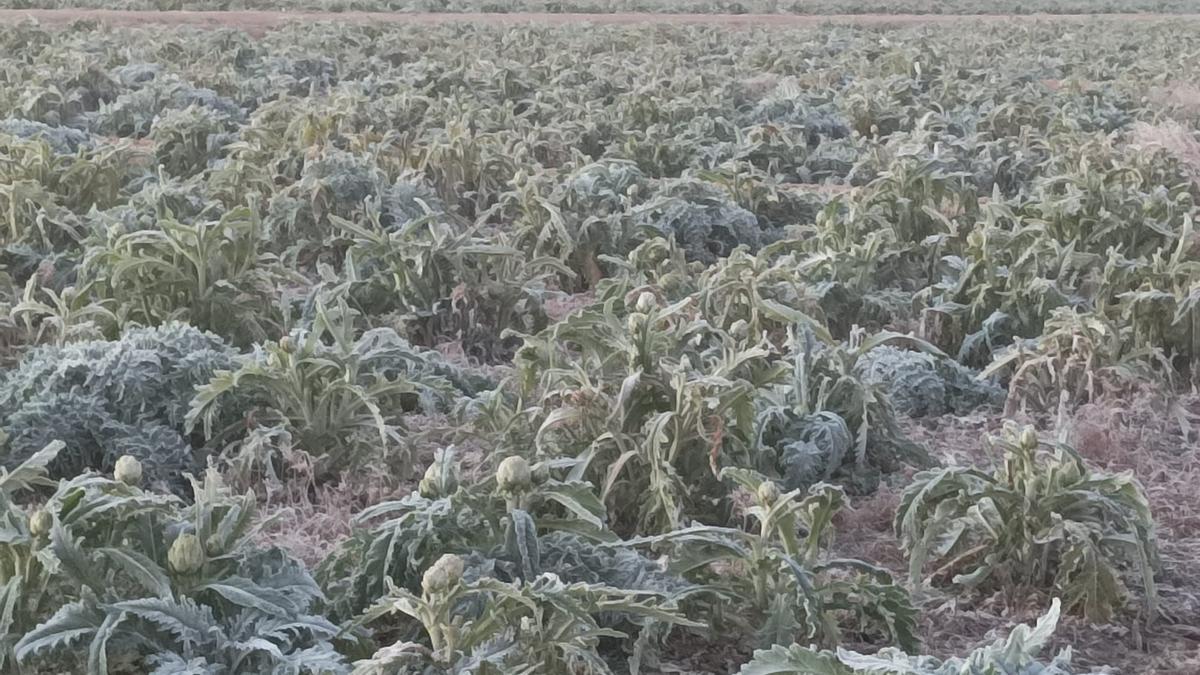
(635, 321)
(434, 484)
(40, 523)
(975, 239)
(128, 470)
(212, 547)
(646, 302)
(1029, 439)
(513, 475)
(768, 492)
(186, 554)
(443, 574)
(428, 487)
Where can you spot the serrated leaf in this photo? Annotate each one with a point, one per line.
(32, 472)
(71, 623)
(142, 569)
(245, 593)
(793, 660)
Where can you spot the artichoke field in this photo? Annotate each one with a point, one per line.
(625, 321)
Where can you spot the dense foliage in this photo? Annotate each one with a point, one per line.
(664, 301)
(800, 7)
(108, 399)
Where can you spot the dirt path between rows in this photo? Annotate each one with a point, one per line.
(261, 21)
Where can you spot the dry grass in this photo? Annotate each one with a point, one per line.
(1136, 436)
(692, 654)
(559, 307)
(311, 523)
(310, 520)
(863, 530)
(1181, 97)
(1177, 139)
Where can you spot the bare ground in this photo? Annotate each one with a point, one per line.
(258, 22)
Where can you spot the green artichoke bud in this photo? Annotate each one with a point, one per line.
(40, 523)
(635, 321)
(513, 475)
(443, 574)
(213, 547)
(128, 470)
(434, 484)
(646, 302)
(186, 554)
(768, 492)
(428, 487)
(976, 239)
(1029, 439)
